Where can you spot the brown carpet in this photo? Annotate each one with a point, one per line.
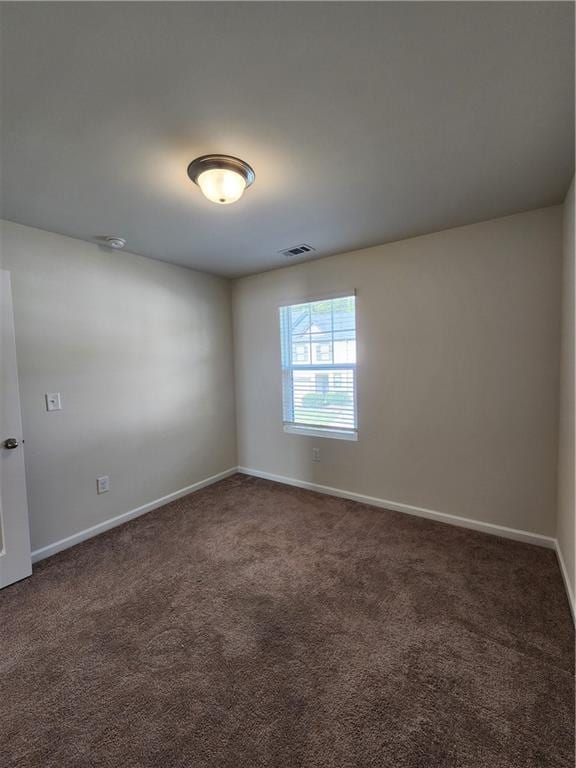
(252, 624)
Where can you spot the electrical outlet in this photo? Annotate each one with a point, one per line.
(103, 484)
(315, 454)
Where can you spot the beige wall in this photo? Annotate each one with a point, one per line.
(457, 371)
(566, 464)
(457, 375)
(141, 352)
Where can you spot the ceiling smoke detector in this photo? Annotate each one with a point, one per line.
(116, 243)
(297, 250)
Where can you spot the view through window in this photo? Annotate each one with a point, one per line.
(319, 365)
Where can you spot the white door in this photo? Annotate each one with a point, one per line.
(15, 562)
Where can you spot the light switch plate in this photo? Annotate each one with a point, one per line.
(53, 401)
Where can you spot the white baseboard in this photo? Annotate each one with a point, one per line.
(87, 533)
(564, 572)
(442, 517)
(431, 514)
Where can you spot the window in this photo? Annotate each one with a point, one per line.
(318, 341)
(323, 353)
(301, 353)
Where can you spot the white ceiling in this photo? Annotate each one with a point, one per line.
(364, 122)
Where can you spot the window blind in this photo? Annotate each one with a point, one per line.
(318, 341)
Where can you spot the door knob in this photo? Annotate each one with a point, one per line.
(11, 443)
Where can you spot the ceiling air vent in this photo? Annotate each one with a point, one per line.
(297, 250)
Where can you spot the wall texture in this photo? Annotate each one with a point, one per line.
(566, 459)
(458, 360)
(141, 352)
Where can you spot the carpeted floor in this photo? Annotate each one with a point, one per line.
(253, 624)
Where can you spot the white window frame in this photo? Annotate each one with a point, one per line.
(286, 382)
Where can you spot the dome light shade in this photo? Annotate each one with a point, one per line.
(221, 185)
(221, 178)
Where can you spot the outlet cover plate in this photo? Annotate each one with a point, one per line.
(103, 484)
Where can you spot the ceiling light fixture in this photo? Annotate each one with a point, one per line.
(221, 178)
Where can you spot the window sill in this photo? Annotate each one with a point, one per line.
(335, 434)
